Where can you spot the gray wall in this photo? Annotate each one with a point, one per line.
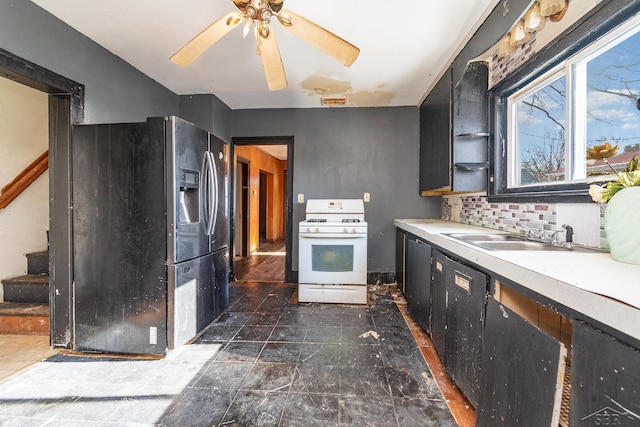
(344, 152)
(208, 112)
(114, 90)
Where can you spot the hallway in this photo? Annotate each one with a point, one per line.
(267, 264)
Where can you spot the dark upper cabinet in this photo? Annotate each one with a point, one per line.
(470, 124)
(454, 139)
(435, 139)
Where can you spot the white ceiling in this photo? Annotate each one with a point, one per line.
(404, 45)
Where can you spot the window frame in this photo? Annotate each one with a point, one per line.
(582, 36)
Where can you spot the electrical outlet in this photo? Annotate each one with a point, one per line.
(367, 197)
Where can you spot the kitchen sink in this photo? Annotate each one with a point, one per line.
(523, 245)
(511, 242)
(484, 237)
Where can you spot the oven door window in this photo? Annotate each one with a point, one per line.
(332, 258)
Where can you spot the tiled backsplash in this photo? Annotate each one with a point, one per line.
(585, 218)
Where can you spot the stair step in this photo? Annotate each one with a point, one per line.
(38, 262)
(32, 288)
(24, 318)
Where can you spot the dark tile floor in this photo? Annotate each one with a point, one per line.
(266, 361)
(311, 364)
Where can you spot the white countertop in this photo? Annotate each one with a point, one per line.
(588, 282)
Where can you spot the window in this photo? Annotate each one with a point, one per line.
(579, 102)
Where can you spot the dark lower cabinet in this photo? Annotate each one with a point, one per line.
(605, 380)
(400, 258)
(438, 302)
(418, 281)
(521, 384)
(466, 299)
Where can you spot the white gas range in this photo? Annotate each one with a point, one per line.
(332, 257)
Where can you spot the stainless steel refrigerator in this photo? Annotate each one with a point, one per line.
(150, 234)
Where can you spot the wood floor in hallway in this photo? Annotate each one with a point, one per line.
(267, 264)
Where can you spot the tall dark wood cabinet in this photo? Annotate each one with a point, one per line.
(470, 140)
(454, 138)
(435, 139)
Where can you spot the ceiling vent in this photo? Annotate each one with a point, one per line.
(333, 101)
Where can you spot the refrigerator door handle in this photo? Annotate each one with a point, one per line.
(211, 204)
(205, 192)
(214, 193)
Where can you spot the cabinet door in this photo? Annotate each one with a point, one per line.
(521, 385)
(418, 281)
(470, 125)
(466, 299)
(400, 258)
(605, 380)
(435, 138)
(438, 302)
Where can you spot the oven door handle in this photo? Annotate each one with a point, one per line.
(332, 236)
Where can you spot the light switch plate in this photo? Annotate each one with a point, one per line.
(300, 198)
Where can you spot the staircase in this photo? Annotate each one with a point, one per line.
(25, 310)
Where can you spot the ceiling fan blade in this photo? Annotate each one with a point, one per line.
(271, 59)
(324, 40)
(206, 39)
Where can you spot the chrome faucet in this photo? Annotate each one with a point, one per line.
(533, 234)
(568, 239)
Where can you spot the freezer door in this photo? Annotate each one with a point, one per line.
(221, 264)
(187, 204)
(190, 299)
(220, 160)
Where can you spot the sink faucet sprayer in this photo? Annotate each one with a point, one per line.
(568, 239)
(568, 235)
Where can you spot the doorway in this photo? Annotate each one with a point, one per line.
(261, 210)
(65, 107)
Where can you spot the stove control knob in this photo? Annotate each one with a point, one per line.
(317, 230)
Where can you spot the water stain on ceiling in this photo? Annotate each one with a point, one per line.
(326, 87)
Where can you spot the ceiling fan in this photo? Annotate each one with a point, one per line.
(260, 12)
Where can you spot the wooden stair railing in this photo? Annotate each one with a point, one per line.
(24, 179)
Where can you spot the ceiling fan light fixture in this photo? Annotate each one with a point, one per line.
(266, 14)
(251, 12)
(262, 30)
(235, 19)
(285, 19)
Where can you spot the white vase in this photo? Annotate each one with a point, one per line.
(622, 225)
